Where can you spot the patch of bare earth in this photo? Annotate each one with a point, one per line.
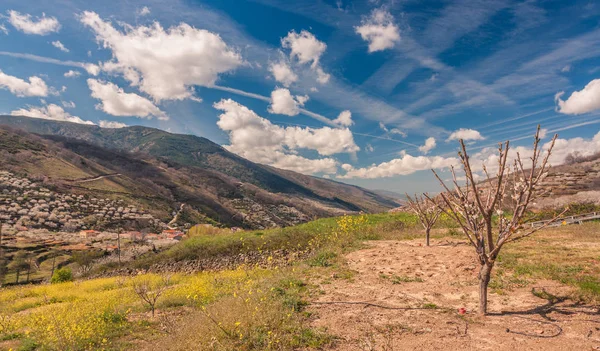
(427, 286)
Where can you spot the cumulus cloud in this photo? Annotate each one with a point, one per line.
(92, 69)
(72, 74)
(344, 119)
(51, 111)
(307, 49)
(282, 102)
(408, 164)
(57, 44)
(111, 124)
(304, 46)
(21, 88)
(144, 11)
(117, 102)
(562, 148)
(322, 77)
(404, 165)
(369, 148)
(583, 101)
(164, 63)
(379, 30)
(428, 146)
(283, 73)
(465, 134)
(28, 25)
(258, 140)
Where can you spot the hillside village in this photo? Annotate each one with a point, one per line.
(40, 219)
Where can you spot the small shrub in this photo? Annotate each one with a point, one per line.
(323, 259)
(62, 275)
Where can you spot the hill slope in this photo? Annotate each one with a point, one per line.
(151, 163)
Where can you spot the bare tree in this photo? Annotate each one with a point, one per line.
(86, 260)
(426, 209)
(149, 292)
(474, 205)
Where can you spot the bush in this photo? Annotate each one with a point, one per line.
(62, 275)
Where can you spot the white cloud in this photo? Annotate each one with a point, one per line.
(144, 11)
(408, 164)
(344, 119)
(283, 73)
(347, 167)
(562, 148)
(51, 111)
(89, 67)
(369, 148)
(68, 104)
(21, 88)
(72, 74)
(404, 165)
(28, 25)
(57, 44)
(383, 127)
(111, 124)
(428, 146)
(566, 69)
(322, 77)
(117, 102)
(282, 102)
(92, 69)
(543, 133)
(398, 131)
(379, 30)
(465, 134)
(164, 63)
(304, 46)
(583, 101)
(3, 29)
(258, 140)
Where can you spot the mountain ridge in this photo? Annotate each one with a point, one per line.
(226, 181)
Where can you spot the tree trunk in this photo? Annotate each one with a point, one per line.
(119, 245)
(485, 273)
(53, 266)
(17, 277)
(427, 235)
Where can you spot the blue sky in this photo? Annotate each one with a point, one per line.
(373, 93)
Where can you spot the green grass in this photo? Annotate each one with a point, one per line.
(297, 238)
(567, 254)
(395, 279)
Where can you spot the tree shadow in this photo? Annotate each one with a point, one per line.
(554, 304)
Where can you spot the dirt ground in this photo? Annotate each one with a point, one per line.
(428, 286)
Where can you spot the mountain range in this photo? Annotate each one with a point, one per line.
(165, 172)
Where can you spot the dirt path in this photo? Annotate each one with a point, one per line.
(78, 181)
(432, 284)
